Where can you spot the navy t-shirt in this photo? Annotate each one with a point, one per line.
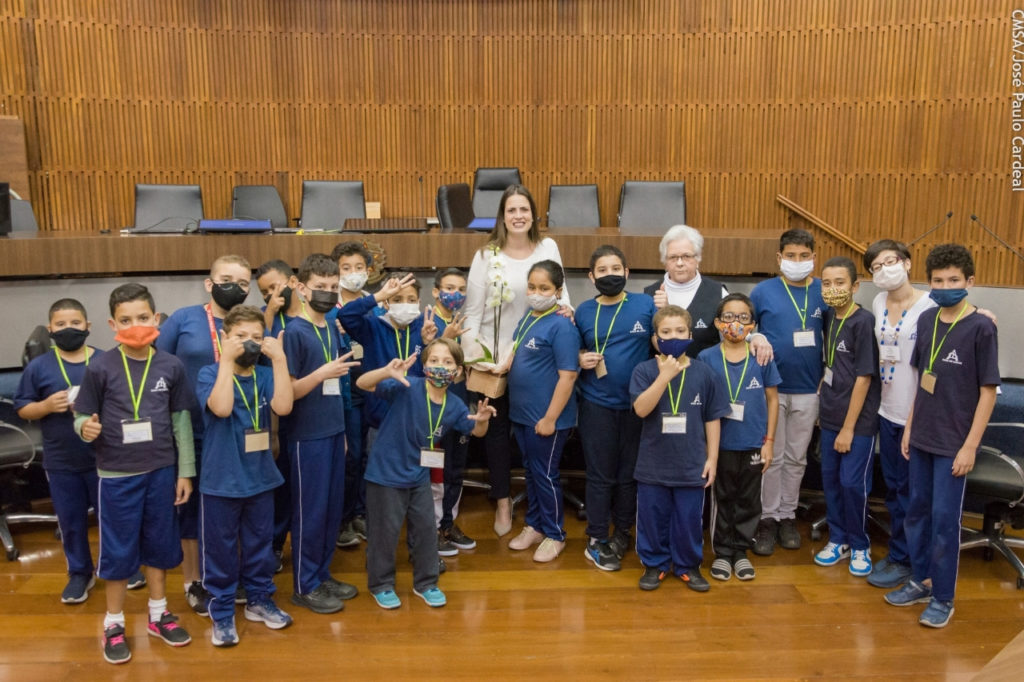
(777, 319)
(549, 345)
(228, 470)
(394, 459)
(186, 334)
(314, 415)
(677, 459)
(105, 392)
(63, 450)
(748, 387)
(628, 344)
(855, 355)
(967, 360)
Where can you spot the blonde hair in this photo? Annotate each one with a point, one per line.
(230, 259)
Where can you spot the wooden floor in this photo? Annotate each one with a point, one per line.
(507, 617)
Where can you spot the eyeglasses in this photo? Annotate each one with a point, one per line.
(684, 257)
(891, 260)
(744, 318)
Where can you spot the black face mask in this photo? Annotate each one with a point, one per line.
(228, 294)
(322, 301)
(286, 294)
(610, 285)
(250, 354)
(69, 339)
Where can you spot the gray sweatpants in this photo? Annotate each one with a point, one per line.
(386, 508)
(780, 485)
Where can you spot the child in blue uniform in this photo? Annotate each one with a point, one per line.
(615, 332)
(850, 395)
(542, 406)
(135, 404)
(956, 355)
(236, 521)
(420, 411)
(747, 438)
(681, 402)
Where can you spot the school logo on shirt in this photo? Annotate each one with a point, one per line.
(700, 325)
(437, 432)
(532, 343)
(638, 328)
(817, 313)
(842, 347)
(952, 358)
(754, 383)
(161, 386)
(696, 400)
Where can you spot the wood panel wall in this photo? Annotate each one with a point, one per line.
(878, 116)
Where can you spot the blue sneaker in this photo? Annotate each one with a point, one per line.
(432, 596)
(266, 611)
(937, 614)
(224, 633)
(137, 581)
(387, 599)
(831, 554)
(889, 574)
(912, 592)
(860, 563)
(77, 590)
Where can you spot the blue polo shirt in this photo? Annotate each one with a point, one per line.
(853, 351)
(186, 335)
(778, 317)
(748, 385)
(624, 344)
(307, 348)
(546, 345)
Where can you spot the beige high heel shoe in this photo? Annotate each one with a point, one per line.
(503, 517)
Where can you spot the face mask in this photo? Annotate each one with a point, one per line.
(890, 277)
(286, 294)
(402, 314)
(228, 294)
(835, 297)
(451, 300)
(69, 338)
(439, 376)
(947, 297)
(796, 271)
(610, 285)
(137, 337)
(673, 347)
(250, 353)
(541, 303)
(322, 301)
(736, 331)
(353, 281)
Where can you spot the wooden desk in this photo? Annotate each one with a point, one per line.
(726, 252)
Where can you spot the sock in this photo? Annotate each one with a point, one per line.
(157, 608)
(113, 619)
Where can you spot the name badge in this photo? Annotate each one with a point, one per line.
(257, 441)
(431, 457)
(357, 351)
(673, 423)
(889, 353)
(136, 431)
(735, 411)
(72, 394)
(601, 371)
(828, 376)
(332, 386)
(928, 380)
(803, 338)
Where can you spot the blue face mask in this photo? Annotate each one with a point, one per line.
(947, 297)
(673, 347)
(451, 300)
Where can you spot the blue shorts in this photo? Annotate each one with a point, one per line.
(138, 523)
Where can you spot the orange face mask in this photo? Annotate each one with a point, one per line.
(138, 336)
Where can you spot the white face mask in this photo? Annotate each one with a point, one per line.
(353, 281)
(541, 303)
(890, 277)
(402, 314)
(796, 270)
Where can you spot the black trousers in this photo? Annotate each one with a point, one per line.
(386, 508)
(736, 503)
(610, 440)
(498, 446)
(456, 449)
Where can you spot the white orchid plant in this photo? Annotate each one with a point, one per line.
(499, 292)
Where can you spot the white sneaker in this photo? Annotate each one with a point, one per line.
(860, 563)
(528, 537)
(831, 554)
(548, 550)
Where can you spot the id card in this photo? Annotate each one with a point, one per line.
(357, 351)
(735, 412)
(257, 441)
(889, 353)
(803, 338)
(673, 423)
(332, 386)
(433, 458)
(928, 380)
(72, 394)
(136, 431)
(828, 376)
(601, 370)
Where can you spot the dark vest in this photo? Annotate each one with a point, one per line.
(702, 311)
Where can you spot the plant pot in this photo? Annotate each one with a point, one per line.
(487, 383)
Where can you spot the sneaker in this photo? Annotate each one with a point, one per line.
(342, 590)
(347, 537)
(444, 546)
(602, 555)
(266, 611)
(831, 554)
(936, 614)
(167, 629)
(319, 600)
(387, 599)
(137, 581)
(279, 555)
(889, 574)
(441, 566)
(548, 550)
(860, 563)
(224, 633)
(695, 581)
(721, 569)
(115, 646)
(199, 599)
(764, 538)
(651, 579)
(77, 589)
(455, 536)
(620, 542)
(789, 536)
(911, 592)
(743, 569)
(240, 597)
(432, 596)
(359, 526)
(527, 538)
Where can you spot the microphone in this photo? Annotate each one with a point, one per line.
(998, 238)
(937, 226)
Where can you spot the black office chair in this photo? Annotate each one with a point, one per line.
(168, 208)
(258, 202)
(23, 219)
(20, 445)
(454, 206)
(327, 204)
(573, 206)
(650, 208)
(488, 186)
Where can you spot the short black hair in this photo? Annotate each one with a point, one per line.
(950, 256)
(349, 248)
(319, 264)
(797, 236)
(415, 284)
(448, 272)
(742, 298)
(884, 245)
(554, 270)
(606, 250)
(276, 265)
(842, 262)
(133, 291)
(67, 304)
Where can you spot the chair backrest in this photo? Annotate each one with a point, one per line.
(168, 208)
(651, 207)
(258, 202)
(573, 206)
(23, 219)
(488, 186)
(454, 206)
(327, 204)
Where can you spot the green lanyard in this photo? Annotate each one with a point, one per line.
(935, 330)
(280, 318)
(398, 344)
(255, 416)
(518, 337)
(136, 399)
(597, 345)
(801, 313)
(430, 420)
(830, 350)
(326, 348)
(733, 397)
(673, 401)
(60, 363)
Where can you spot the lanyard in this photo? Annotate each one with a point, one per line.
(326, 347)
(398, 344)
(214, 339)
(430, 422)
(60, 363)
(518, 337)
(739, 384)
(597, 345)
(830, 349)
(801, 313)
(935, 329)
(673, 401)
(136, 399)
(254, 415)
(280, 318)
